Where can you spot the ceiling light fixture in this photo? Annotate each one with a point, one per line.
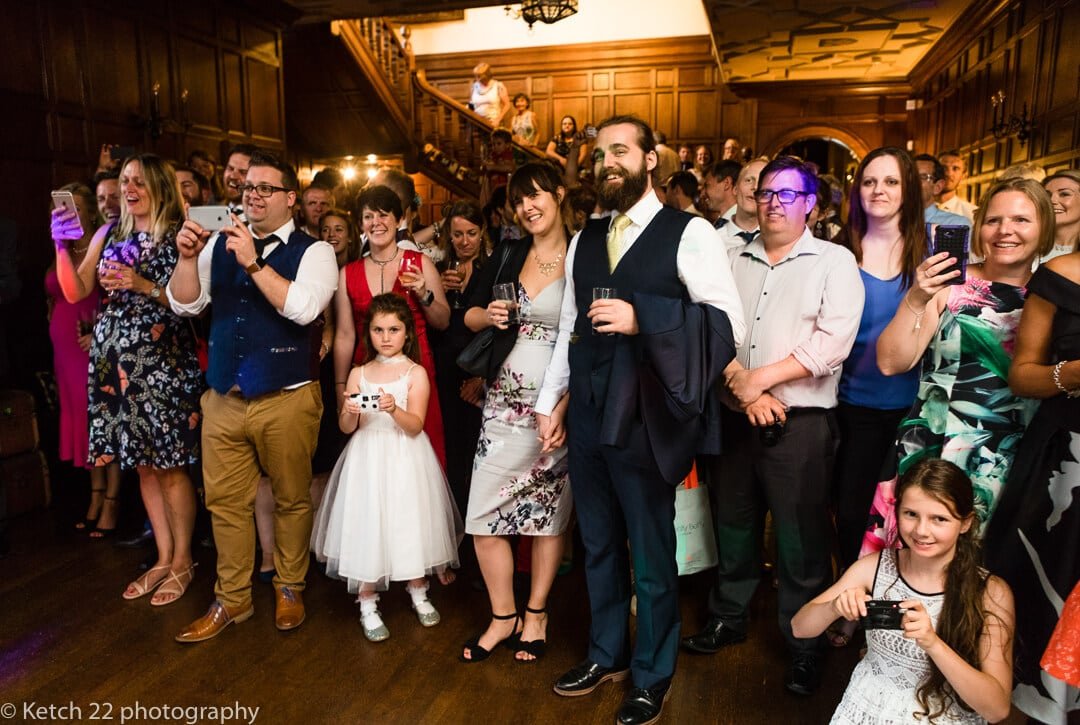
(544, 11)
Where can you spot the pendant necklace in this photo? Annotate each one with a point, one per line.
(547, 268)
(382, 264)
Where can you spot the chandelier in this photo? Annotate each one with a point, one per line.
(546, 11)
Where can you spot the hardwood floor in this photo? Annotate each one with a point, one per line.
(66, 636)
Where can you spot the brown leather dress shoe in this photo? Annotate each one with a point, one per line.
(217, 618)
(288, 608)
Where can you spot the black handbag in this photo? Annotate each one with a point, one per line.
(477, 359)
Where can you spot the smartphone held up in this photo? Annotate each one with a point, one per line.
(954, 239)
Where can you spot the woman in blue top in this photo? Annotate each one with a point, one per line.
(888, 236)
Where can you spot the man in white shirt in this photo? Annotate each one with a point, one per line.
(262, 411)
(717, 198)
(955, 172)
(742, 226)
(802, 299)
(931, 182)
(652, 256)
(680, 191)
(314, 202)
(234, 174)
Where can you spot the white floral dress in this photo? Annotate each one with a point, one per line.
(516, 489)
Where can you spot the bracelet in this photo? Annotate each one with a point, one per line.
(1056, 375)
(918, 315)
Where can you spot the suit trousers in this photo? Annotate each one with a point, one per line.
(242, 440)
(790, 479)
(618, 498)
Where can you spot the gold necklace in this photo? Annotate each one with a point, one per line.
(547, 268)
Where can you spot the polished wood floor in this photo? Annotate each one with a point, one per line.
(66, 636)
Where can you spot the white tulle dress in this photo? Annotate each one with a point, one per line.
(387, 514)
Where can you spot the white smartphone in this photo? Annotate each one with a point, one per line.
(210, 218)
(66, 200)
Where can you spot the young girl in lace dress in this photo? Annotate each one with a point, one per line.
(950, 660)
(387, 514)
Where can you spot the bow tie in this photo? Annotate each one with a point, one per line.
(720, 223)
(260, 244)
(747, 236)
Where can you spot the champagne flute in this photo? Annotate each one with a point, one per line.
(454, 295)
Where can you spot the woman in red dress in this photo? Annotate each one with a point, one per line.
(387, 268)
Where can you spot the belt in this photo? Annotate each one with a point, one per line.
(791, 412)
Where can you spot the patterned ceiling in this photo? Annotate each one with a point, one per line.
(798, 40)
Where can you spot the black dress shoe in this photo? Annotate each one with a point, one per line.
(803, 676)
(586, 676)
(642, 706)
(712, 638)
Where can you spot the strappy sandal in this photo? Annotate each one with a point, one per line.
(535, 647)
(479, 654)
(98, 533)
(176, 584)
(90, 523)
(143, 586)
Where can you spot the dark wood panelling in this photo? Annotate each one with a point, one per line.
(670, 82)
(1025, 48)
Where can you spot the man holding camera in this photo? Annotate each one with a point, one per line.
(268, 282)
(802, 300)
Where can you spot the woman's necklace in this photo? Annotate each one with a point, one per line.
(382, 268)
(548, 268)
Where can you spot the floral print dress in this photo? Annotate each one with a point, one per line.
(516, 489)
(144, 374)
(964, 411)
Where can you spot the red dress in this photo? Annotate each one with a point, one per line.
(360, 296)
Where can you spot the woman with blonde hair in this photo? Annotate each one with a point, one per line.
(144, 376)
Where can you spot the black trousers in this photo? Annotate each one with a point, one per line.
(790, 479)
(620, 499)
(866, 456)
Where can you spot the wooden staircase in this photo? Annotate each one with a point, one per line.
(449, 140)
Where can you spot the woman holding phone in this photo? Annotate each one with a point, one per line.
(144, 375)
(386, 267)
(964, 334)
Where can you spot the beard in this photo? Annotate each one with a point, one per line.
(622, 197)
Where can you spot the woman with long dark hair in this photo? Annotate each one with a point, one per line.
(561, 145)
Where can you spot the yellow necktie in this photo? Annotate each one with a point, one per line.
(615, 240)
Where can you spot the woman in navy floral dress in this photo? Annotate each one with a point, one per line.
(517, 487)
(144, 376)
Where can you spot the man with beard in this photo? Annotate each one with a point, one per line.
(234, 176)
(673, 289)
(193, 186)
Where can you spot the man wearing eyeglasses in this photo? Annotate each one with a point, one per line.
(802, 300)
(268, 282)
(931, 182)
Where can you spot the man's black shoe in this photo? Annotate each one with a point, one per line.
(586, 676)
(712, 638)
(642, 706)
(803, 676)
(144, 537)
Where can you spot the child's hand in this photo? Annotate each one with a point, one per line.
(387, 404)
(851, 603)
(917, 624)
(351, 406)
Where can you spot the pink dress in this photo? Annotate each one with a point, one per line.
(72, 367)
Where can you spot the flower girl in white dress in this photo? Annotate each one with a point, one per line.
(388, 514)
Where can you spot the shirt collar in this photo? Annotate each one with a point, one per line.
(283, 232)
(807, 244)
(643, 211)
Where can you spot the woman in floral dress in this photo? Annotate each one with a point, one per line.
(144, 375)
(964, 335)
(517, 486)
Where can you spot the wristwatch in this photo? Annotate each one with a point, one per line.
(155, 293)
(255, 266)
(427, 299)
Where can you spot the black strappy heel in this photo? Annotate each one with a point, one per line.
(479, 654)
(535, 647)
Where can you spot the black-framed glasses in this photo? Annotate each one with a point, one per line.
(786, 196)
(263, 190)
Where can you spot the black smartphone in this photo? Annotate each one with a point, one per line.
(119, 153)
(883, 614)
(954, 239)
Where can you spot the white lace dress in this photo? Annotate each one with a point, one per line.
(387, 514)
(882, 687)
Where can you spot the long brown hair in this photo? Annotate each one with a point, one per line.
(912, 220)
(962, 619)
(392, 304)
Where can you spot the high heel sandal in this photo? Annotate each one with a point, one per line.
(479, 654)
(534, 647)
(89, 523)
(98, 533)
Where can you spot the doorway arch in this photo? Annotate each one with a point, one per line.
(857, 145)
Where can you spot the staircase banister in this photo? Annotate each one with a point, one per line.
(358, 48)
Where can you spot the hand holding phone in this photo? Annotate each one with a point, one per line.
(65, 225)
(210, 218)
(953, 239)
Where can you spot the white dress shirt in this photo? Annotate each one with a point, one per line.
(702, 267)
(730, 235)
(308, 295)
(963, 207)
(807, 305)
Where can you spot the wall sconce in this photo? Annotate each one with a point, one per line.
(1002, 127)
(157, 124)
